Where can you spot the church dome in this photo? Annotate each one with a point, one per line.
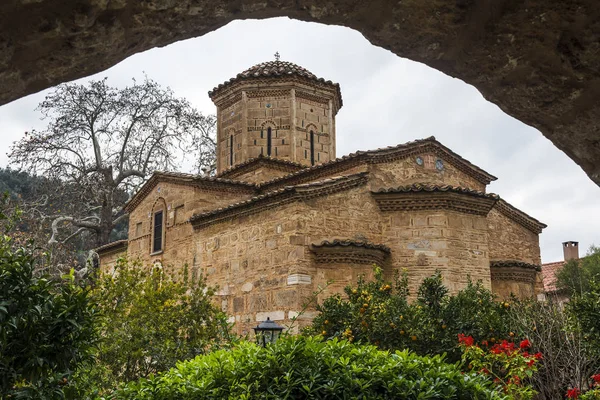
(274, 69)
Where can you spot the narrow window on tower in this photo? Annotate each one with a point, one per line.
(269, 142)
(158, 232)
(275, 151)
(282, 141)
(261, 134)
(231, 150)
(312, 148)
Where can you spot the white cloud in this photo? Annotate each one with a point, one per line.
(387, 100)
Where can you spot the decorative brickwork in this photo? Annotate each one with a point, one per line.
(350, 252)
(432, 197)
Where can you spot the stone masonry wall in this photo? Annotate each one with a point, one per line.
(290, 109)
(511, 241)
(261, 174)
(407, 172)
(108, 260)
(255, 261)
(181, 203)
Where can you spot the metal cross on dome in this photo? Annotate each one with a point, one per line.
(277, 56)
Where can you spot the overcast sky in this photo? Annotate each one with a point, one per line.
(387, 100)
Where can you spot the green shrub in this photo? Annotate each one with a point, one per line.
(307, 368)
(149, 322)
(379, 312)
(46, 325)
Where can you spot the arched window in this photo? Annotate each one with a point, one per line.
(312, 148)
(269, 141)
(230, 149)
(157, 239)
(158, 223)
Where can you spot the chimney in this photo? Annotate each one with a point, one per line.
(571, 250)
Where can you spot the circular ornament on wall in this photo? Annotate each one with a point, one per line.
(419, 160)
(268, 105)
(439, 164)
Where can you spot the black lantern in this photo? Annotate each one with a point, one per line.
(267, 332)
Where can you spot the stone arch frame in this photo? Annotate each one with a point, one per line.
(268, 124)
(314, 127)
(536, 81)
(159, 204)
(264, 127)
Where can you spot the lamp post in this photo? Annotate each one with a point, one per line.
(267, 332)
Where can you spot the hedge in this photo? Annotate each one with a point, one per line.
(308, 368)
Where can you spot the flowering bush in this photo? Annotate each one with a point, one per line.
(592, 394)
(508, 365)
(379, 312)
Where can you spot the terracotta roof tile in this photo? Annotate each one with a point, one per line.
(421, 187)
(116, 245)
(273, 69)
(549, 271)
(260, 159)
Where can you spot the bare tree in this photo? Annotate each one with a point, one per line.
(568, 359)
(102, 142)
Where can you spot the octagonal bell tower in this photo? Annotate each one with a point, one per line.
(276, 109)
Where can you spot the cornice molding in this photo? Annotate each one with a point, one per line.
(514, 264)
(513, 274)
(349, 252)
(419, 197)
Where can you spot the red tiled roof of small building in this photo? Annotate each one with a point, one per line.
(549, 271)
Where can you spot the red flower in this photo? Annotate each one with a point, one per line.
(538, 355)
(596, 379)
(573, 393)
(466, 340)
(525, 344)
(485, 343)
(484, 371)
(525, 354)
(497, 349)
(531, 362)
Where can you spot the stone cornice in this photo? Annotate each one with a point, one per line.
(224, 96)
(113, 247)
(513, 274)
(388, 154)
(519, 217)
(208, 183)
(349, 251)
(278, 198)
(257, 162)
(431, 197)
(515, 264)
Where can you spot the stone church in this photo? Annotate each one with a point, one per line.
(284, 215)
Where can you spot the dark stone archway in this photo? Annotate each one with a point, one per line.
(538, 60)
